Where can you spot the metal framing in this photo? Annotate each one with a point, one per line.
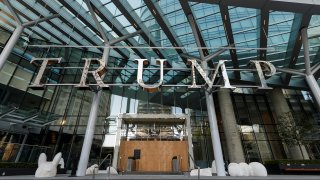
(295, 42)
(263, 20)
(125, 8)
(229, 35)
(158, 15)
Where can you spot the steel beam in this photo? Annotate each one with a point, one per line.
(295, 43)
(162, 21)
(296, 6)
(69, 6)
(61, 40)
(107, 17)
(188, 12)
(315, 68)
(51, 10)
(33, 22)
(88, 138)
(312, 82)
(224, 11)
(188, 56)
(263, 21)
(215, 137)
(96, 21)
(291, 71)
(13, 12)
(125, 9)
(304, 37)
(217, 53)
(125, 37)
(314, 87)
(10, 44)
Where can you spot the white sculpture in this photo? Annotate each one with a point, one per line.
(243, 169)
(258, 169)
(45, 168)
(92, 169)
(112, 170)
(234, 169)
(61, 162)
(213, 167)
(203, 172)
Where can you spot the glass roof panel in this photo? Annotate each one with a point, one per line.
(178, 22)
(245, 32)
(209, 20)
(314, 39)
(279, 31)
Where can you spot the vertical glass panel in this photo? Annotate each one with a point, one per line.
(6, 72)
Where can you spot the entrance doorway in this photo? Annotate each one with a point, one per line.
(154, 143)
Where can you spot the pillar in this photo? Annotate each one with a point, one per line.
(215, 136)
(231, 131)
(281, 107)
(10, 44)
(87, 142)
(116, 157)
(311, 81)
(190, 146)
(214, 131)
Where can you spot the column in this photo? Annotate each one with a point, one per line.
(214, 131)
(281, 107)
(231, 132)
(190, 146)
(10, 44)
(117, 146)
(87, 142)
(311, 81)
(215, 136)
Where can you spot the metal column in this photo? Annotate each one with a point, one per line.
(214, 131)
(314, 87)
(87, 142)
(311, 81)
(10, 44)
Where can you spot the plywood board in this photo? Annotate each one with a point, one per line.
(155, 156)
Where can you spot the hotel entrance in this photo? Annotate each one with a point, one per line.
(153, 143)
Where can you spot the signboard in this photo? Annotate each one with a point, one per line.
(261, 68)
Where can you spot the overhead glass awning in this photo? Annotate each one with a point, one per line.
(166, 32)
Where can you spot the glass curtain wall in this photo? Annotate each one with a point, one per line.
(59, 113)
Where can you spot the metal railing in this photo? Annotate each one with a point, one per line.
(194, 163)
(110, 159)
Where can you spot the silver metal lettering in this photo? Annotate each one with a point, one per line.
(96, 74)
(140, 72)
(221, 65)
(264, 69)
(37, 85)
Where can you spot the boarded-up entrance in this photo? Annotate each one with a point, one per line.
(155, 156)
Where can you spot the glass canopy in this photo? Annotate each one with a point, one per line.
(167, 33)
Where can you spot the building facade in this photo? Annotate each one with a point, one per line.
(254, 125)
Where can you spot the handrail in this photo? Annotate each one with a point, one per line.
(105, 159)
(93, 174)
(194, 163)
